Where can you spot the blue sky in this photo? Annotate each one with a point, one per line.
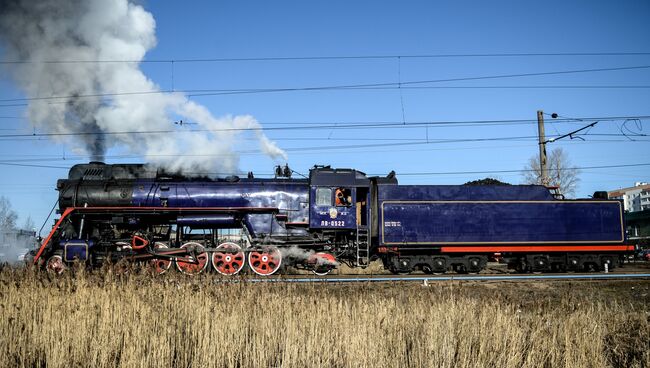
(245, 29)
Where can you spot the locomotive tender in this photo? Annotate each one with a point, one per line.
(131, 212)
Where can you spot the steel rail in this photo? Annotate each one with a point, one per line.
(598, 276)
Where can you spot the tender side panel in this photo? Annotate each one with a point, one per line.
(500, 222)
(464, 193)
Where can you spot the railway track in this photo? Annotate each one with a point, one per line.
(455, 277)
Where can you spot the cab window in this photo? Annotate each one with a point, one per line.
(323, 196)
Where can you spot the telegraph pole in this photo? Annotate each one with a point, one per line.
(542, 147)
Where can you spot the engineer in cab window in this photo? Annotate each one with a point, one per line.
(342, 197)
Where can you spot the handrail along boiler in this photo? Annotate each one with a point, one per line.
(131, 212)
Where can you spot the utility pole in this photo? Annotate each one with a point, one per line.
(542, 147)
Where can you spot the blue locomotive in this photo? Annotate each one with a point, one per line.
(133, 213)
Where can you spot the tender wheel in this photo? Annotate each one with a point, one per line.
(436, 266)
(266, 261)
(195, 262)
(474, 265)
(55, 265)
(160, 265)
(322, 263)
(228, 263)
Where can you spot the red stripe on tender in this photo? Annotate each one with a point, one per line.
(540, 248)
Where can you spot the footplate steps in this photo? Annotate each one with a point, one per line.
(363, 247)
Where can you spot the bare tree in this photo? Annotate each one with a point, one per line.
(29, 224)
(8, 216)
(561, 173)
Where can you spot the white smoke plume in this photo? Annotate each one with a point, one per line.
(94, 95)
(304, 255)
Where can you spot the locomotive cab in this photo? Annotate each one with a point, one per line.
(338, 198)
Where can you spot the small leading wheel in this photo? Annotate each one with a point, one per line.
(160, 265)
(195, 262)
(55, 264)
(322, 263)
(265, 261)
(228, 262)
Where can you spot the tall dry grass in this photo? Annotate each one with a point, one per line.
(107, 320)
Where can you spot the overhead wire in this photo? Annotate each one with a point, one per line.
(322, 148)
(522, 170)
(300, 149)
(218, 92)
(430, 173)
(395, 85)
(378, 125)
(213, 92)
(331, 57)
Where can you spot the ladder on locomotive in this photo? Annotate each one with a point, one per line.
(363, 246)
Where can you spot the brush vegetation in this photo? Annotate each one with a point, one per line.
(104, 319)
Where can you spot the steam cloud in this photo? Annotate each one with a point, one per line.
(302, 254)
(14, 245)
(91, 94)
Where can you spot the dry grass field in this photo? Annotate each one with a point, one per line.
(105, 319)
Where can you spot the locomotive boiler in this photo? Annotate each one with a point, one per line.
(135, 213)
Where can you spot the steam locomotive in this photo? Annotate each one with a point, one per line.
(135, 213)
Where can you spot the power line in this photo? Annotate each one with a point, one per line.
(327, 125)
(392, 125)
(398, 85)
(403, 173)
(213, 92)
(30, 165)
(524, 87)
(300, 149)
(522, 170)
(332, 57)
(218, 92)
(313, 148)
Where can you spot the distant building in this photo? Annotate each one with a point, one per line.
(638, 226)
(636, 201)
(11, 237)
(636, 198)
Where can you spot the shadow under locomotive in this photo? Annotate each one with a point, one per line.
(132, 213)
